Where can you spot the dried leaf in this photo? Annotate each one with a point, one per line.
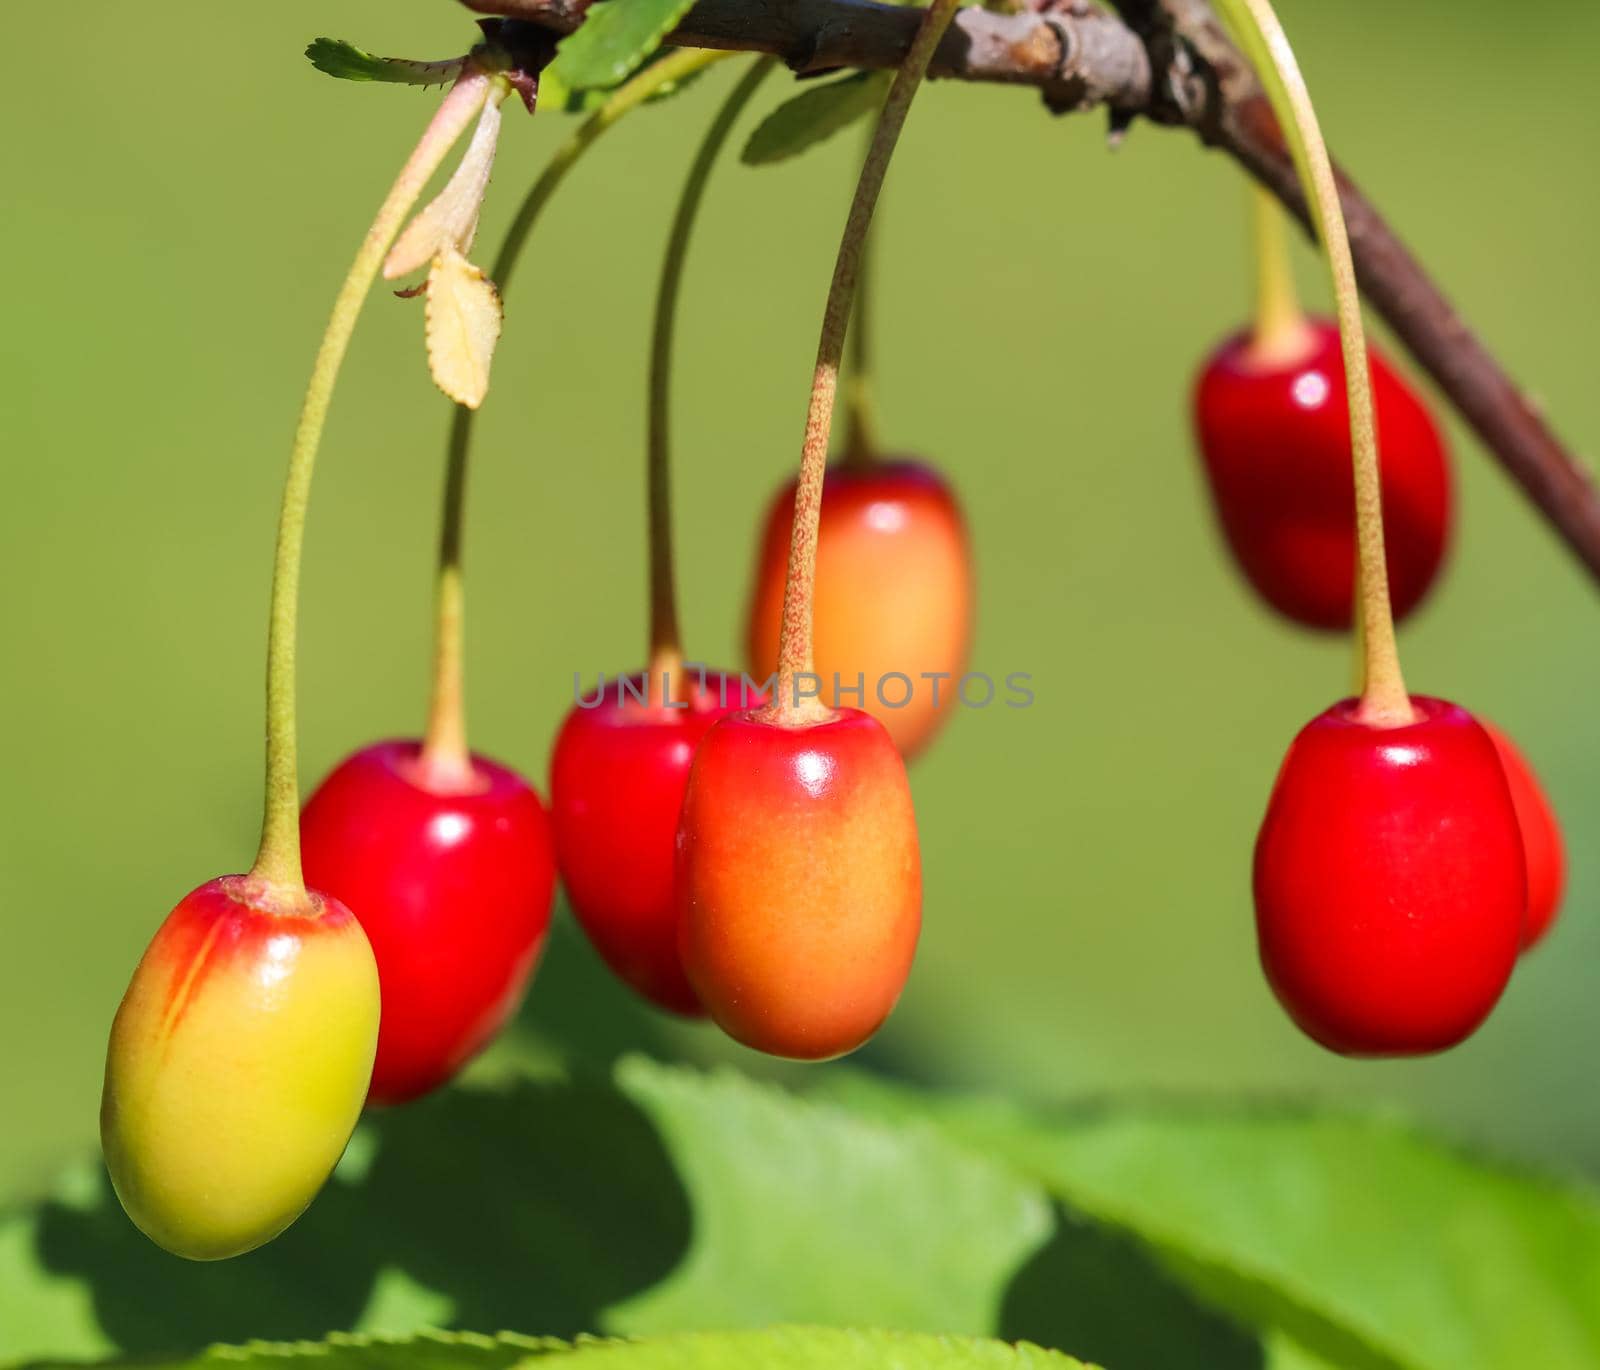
(464, 319)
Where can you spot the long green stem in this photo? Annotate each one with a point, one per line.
(1384, 701)
(278, 860)
(666, 648)
(795, 642)
(446, 758)
(445, 751)
(1280, 336)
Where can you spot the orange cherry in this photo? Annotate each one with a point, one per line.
(799, 883)
(894, 595)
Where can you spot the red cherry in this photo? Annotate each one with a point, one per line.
(453, 888)
(1542, 846)
(799, 883)
(617, 778)
(1276, 443)
(893, 593)
(1389, 881)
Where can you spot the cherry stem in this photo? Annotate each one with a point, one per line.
(666, 648)
(445, 753)
(1384, 700)
(278, 859)
(795, 640)
(861, 413)
(1280, 336)
(446, 758)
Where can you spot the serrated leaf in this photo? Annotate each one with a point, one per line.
(777, 1348)
(464, 321)
(815, 115)
(347, 62)
(429, 1349)
(1361, 1240)
(812, 1348)
(614, 39)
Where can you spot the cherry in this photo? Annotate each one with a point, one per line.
(243, 1049)
(893, 593)
(237, 1064)
(617, 778)
(621, 761)
(799, 883)
(1542, 846)
(1275, 436)
(451, 876)
(1389, 880)
(799, 880)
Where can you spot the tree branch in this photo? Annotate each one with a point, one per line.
(1172, 61)
(1078, 57)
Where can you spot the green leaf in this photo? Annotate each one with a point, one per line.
(780, 1348)
(347, 62)
(1360, 1240)
(555, 96)
(614, 39)
(660, 1201)
(812, 1348)
(815, 115)
(806, 1213)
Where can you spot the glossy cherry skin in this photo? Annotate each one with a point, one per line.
(1542, 846)
(617, 777)
(238, 1063)
(1276, 445)
(799, 881)
(1389, 881)
(894, 593)
(454, 891)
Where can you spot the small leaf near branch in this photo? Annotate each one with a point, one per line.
(814, 116)
(615, 38)
(347, 62)
(464, 320)
(555, 95)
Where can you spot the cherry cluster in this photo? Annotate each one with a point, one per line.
(746, 853)
(749, 853)
(1403, 865)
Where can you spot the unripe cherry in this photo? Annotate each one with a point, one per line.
(1543, 849)
(237, 1066)
(451, 875)
(617, 779)
(1389, 881)
(1274, 431)
(799, 881)
(894, 593)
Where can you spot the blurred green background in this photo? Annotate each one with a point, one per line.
(185, 193)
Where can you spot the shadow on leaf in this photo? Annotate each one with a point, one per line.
(1099, 1294)
(534, 1207)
